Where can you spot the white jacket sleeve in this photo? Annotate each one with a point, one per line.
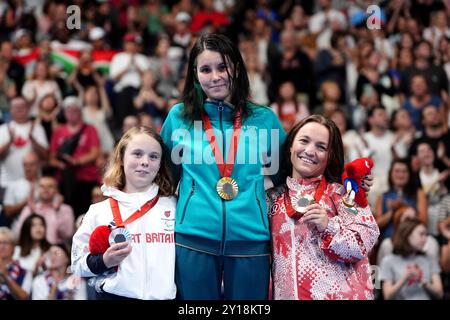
(80, 245)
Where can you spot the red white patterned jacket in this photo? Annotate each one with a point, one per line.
(332, 265)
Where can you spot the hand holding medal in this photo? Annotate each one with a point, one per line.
(298, 204)
(316, 215)
(118, 234)
(115, 254)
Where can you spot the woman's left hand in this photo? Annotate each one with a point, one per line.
(316, 215)
(367, 183)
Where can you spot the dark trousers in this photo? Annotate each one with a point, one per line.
(123, 105)
(77, 194)
(199, 276)
(110, 296)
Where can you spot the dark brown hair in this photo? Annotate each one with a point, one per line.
(193, 95)
(335, 162)
(411, 187)
(400, 240)
(25, 241)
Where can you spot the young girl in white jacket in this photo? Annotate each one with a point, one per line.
(137, 178)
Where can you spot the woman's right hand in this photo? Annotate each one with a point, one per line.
(116, 253)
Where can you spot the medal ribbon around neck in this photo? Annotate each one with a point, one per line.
(226, 187)
(225, 168)
(136, 215)
(317, 196)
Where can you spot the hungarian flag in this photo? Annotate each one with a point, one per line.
(68, 58)
(25, 56)
(102, 59)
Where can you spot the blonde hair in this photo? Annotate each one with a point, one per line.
(115, 175)
(5, 231)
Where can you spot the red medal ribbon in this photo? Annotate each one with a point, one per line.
(136, 215)
(317, 196)
(225, 169)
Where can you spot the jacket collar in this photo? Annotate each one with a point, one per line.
(132, 201)
(302, 183)
(215, 108)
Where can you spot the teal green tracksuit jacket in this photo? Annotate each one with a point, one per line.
(204, 221)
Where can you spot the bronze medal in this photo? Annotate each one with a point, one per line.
(300, 202)
(227, 188)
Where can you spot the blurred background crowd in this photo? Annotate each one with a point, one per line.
(68, 93)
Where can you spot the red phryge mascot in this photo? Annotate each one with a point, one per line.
(352, 179)
(99, 240)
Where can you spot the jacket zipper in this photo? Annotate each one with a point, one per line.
(259, 205)
(224, 213)
(187, 201)
(145, 269)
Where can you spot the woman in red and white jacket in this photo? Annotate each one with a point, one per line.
(320, 246)
(140, 191)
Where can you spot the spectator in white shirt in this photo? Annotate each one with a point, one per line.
(18, 137)
(126, 72)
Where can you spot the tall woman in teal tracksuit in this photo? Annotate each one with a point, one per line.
(221, 144)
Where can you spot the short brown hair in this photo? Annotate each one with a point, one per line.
(115, 174)
(335, 162)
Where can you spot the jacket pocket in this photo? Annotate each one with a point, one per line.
(259, 206)
(187, 202)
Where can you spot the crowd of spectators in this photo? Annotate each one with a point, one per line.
(68, 93)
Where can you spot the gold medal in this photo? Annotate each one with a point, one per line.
(300, 202)
(227, 188)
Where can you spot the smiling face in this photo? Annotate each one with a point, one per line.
(309, 151)
(425, 154)
(141, 162)
(399, 175)
(213, 74)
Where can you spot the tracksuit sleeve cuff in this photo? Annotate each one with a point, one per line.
(96, 264)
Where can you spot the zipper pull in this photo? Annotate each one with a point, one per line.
(220, 107)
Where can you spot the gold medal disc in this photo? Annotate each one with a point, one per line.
(227, 188)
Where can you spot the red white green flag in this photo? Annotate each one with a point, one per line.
(68, 58)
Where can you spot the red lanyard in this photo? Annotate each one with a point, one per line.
(136, 215)
(317, 196)
(225, 169)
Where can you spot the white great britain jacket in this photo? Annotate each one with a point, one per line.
(148, 272)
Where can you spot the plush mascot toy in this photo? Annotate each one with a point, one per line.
(352, 179)
(99, 240)
(104, 236)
